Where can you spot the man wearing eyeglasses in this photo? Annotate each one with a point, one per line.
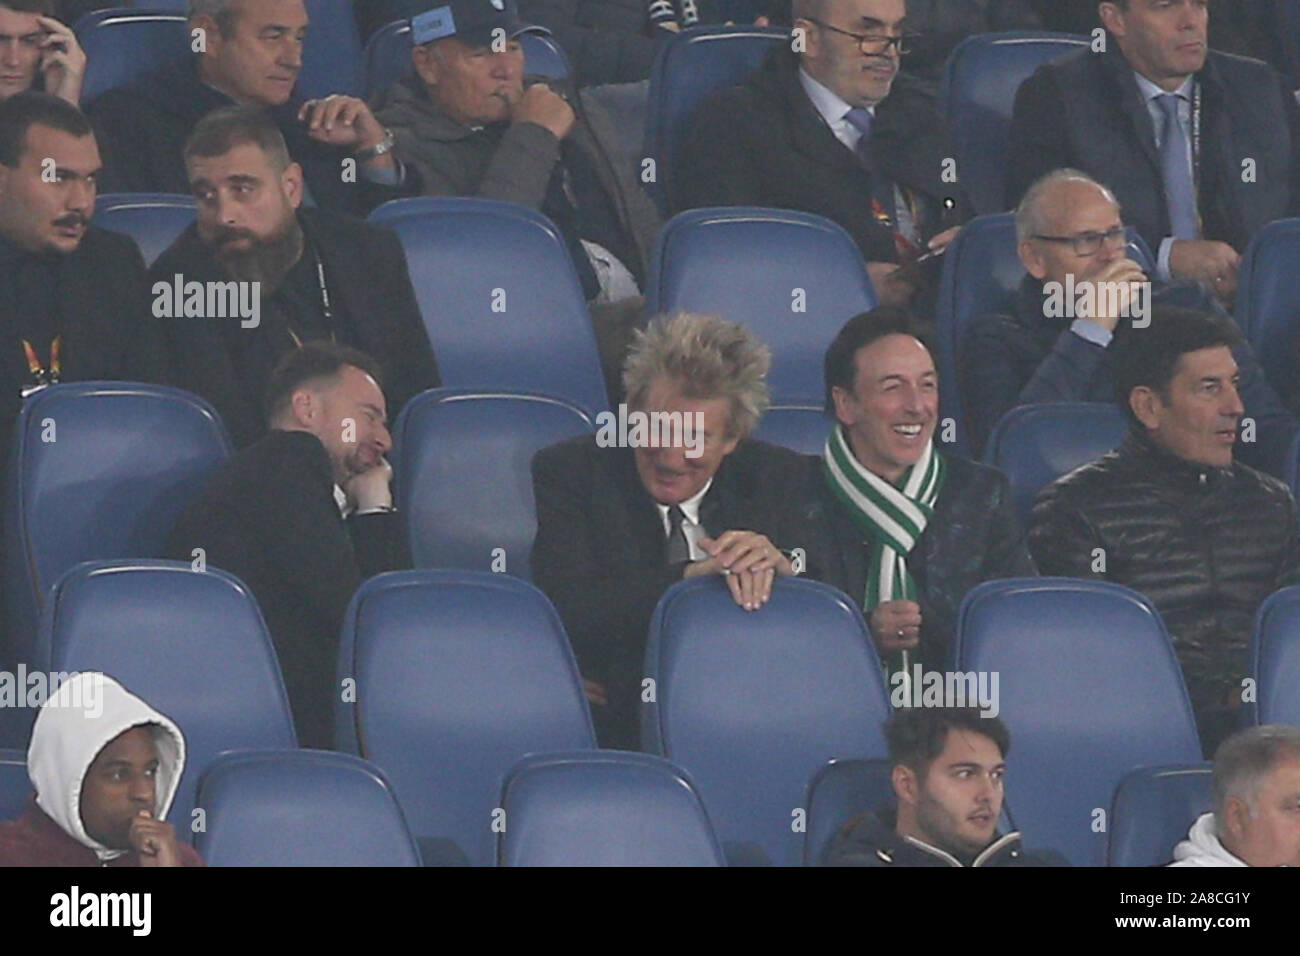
(827, 126)
(1045, 349)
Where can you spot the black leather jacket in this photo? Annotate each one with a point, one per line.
(1205, 545)
(973, 537)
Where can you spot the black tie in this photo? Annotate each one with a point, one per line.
(678, 550)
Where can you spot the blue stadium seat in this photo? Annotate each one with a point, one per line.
(463, 474)
(1036, 444)
(191, 644)
(300, 808)
(15, 787)
(501, 302)
(977, 94)
(1154, 808)
(792, 277)
(153, 220)
(123, 45)
(981, 273)
(331, 57)
(1089, 688)
(1268, 303)
(388, 56)
(802, 428)
(751, 703)
(458, 675)
(98, 470)
(1275, 659)
(837, 793)
(687, 68)
(603, 808)
(1291, 473)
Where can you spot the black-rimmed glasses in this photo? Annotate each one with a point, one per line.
(869, 43)
(1089, 243)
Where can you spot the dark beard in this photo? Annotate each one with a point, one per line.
(268, 261)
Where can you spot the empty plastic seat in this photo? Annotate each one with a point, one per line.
(792, 277)
(300, 808)
(15, 787)
(500, 300)
(977, 96)
(1268, 303)
(1090, 689)
(1275, 659)
(463, 474)
(458, 675)
(751, 703)
(837, 793)
(688, 67)
(153, 220)
(124, 45)
(1154, 808)
(1036, 444)
(100, 470)
(603, 808)
(191, 644)
(802, 428)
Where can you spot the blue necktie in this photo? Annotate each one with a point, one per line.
(1180, 190)
(861, 120)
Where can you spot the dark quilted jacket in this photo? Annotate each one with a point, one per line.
(1205, 545)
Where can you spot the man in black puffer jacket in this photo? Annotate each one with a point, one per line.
(1170, 513)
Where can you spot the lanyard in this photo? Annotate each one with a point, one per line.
(326, 309)
(40, 376)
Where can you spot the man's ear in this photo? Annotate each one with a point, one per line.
(1236, 816)
(291, 183)
(1147, 406)
(1112, 18)
(812, 38)
(304, 406)
(1031, 260)
(906, 787)
(845, 406)
(427, 66)
(211, 32)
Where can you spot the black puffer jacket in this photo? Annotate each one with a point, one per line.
(871, 840)
(1205, 545)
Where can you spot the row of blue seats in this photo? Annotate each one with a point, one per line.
(455, 675)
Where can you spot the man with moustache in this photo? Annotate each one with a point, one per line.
(834, 130)
(304, 515)
(320, 275)
(37, 52)
(1201, 148)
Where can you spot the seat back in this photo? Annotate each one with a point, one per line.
(753, 265)
(1090, 689)
(1154, 808)
(603, 808)
(687, 68)
(838, 792)
(15, 786)
(191, 644)
(801, 428)
(99, 470)
(1268, 302)
(153, 220)
(1275, 658)
(458, 674)
(331, 57)
(124, 45)
(1036, 444)
(751, 703)
(463, 474)
(501, 303)
(300, 808)
(977, 95)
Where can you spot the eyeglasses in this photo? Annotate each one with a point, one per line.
(1089, 243)
(872, 44)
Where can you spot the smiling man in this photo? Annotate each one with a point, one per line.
(902, 527)
(1201, 148)
(1170, 513)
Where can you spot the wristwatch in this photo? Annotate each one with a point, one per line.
(383, 146)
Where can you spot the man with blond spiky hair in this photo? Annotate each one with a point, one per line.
(622, 515)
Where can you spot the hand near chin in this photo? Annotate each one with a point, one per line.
(371, 488)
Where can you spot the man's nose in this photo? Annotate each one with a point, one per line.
(9, 52)
(291, 53)
(142, 790)
(80, 195)
(1232, 402)
(384, 439)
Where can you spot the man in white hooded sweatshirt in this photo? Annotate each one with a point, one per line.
(1256, 818)
(105, 767)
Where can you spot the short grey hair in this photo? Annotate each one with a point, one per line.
(222, 11)
(706, 357)
(1243, 761)
(1029, 214)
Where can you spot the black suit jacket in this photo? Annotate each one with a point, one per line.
(374, 311)
(269, 517)
(973, 537)
(600, 552)
(765, 144)
(1086, 110)
(142, 130)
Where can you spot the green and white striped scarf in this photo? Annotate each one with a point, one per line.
(893, 518)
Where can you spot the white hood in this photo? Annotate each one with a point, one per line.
(1202, 846)
(86, 712)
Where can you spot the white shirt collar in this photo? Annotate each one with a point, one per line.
(341, 499)
(828, 103)
(1150, 91)
(690, 507)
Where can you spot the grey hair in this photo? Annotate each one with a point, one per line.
(706, 357)
(1029, 214)
(1245, 759)
(222, 11)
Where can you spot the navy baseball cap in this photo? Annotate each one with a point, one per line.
(473, 22)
